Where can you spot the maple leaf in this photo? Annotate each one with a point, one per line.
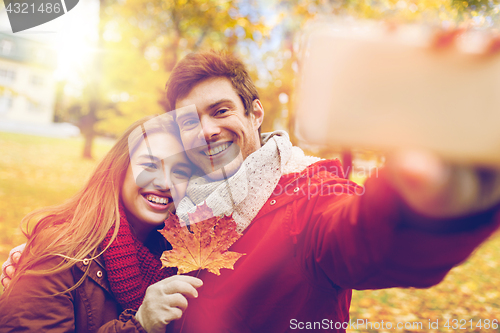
(205, 246)
(202, 213)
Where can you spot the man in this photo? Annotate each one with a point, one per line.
(310, 236)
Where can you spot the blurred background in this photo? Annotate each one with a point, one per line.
(70, 86)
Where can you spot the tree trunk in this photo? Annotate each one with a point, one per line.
(87, 127)
(87, 147)
(88, 121)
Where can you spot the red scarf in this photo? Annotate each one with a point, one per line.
(130, 265)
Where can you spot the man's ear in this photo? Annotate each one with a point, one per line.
(258, 113)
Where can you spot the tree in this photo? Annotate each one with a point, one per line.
(141, 41)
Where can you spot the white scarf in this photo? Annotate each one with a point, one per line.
(244, 193)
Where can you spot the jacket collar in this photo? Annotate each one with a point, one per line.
(96, 271)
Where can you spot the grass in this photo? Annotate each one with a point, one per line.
(37, 171)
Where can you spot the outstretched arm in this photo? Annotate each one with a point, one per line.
(382, 237)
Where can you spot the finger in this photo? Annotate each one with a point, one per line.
(175, 314)
(484, 186)
(391, 26)
(417, 171)
(438, 189)
(5, 282)
(177, 301)
(446, 38)
(494, 46)
(180, 287)
(194, 281)
(15, 258)
(420, 178)
(10, 271)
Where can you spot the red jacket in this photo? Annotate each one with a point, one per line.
(318, 237)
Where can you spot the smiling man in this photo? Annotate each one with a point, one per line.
(223, 125)
(311, 236)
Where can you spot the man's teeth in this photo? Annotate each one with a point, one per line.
(216, 150)
(155, 199)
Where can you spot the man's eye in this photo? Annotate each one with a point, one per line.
(221, 112)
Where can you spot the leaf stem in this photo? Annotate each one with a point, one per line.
(183, 315)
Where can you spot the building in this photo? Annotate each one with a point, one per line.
(27, 86)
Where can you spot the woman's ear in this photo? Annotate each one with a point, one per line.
(257, 114)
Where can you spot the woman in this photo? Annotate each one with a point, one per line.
(95, 255)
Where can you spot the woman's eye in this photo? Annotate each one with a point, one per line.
(149, 165)
(189, 123)
(182, 174)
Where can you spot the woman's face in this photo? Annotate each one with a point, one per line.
(158, 174)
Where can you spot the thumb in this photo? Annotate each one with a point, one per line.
(15, 258)
(422, 180)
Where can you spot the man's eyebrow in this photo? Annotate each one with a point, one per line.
(221, 101)
(182, 114)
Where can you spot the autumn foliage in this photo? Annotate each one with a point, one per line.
(204, 245)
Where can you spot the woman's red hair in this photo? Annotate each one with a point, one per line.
(75, 229)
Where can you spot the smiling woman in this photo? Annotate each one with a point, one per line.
(95, 255)
(157, 175)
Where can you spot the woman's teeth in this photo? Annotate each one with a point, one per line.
(216, 150)
(158, 200)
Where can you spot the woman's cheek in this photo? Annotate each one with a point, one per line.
(145, 178)
(179, 191)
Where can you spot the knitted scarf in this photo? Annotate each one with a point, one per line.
(244, 193)
(131, 267)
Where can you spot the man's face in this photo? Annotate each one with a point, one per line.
(216, 134)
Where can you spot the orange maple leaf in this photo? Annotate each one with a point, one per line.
(205, 246)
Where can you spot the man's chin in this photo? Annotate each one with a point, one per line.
(224, 171)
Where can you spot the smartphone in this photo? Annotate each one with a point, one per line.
(370, 85)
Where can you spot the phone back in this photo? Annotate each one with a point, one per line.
(367, 85)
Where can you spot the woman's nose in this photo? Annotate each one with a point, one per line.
(160, 182)
(162, 179)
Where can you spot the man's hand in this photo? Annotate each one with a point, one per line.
(9, 267)
(438, 189)
(166, 301)
(435, 188)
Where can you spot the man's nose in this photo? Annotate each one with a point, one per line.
(209, 129)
